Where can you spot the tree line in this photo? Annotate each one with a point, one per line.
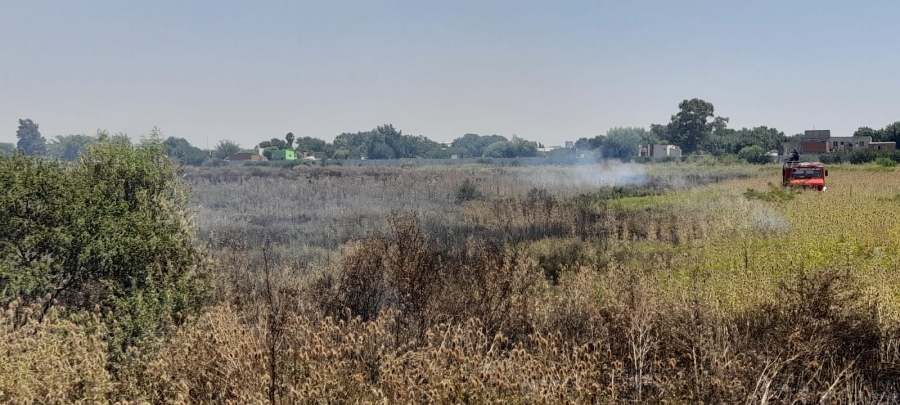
(695, 128)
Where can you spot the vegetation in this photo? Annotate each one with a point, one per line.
(30, 140)
(557, 285)
(7, 148)
(109, 234)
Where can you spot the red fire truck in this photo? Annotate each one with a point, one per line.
(807, 175)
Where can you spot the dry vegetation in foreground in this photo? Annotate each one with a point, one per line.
(382, 286)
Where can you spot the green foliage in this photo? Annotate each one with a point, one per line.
(182, 150)
(109, 232)
(515, 147)
(832, 158)
(775, 194)
(310, 144)
(30, 139)
(467, 191)
(386, 142)
(276, 143)
(589, 143)
(866, 131)
(7, 148)
(730, 141)
(860, 156)
(754, 154)
(622, 142)
(69, 147)
(890, 133)
(473, 145)
(289, 139)
(885, 162)
(689, 127)
(226, 148)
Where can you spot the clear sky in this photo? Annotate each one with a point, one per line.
(548, 71)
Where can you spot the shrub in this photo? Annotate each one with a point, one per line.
(467, 191)
(861, 156)
(754, 154)
(831, 158)
(111, 231)
(775, 194)
(885, 162)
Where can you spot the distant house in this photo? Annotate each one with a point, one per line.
(821, 141)
(651, 150)
(849, 143)
(245, 156)
(284, 154)
(312, 155)
(883, 145)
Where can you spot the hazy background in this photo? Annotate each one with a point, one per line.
(546, 71)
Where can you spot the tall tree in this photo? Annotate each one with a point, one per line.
(474, 145)
(689, 127)
(623, 142)
(182, 150)
(226, 148)
(7, 148)
(274, 142)
(30, 139)
(866, 131)
(68, 147)
(289, 138)
(891, 133)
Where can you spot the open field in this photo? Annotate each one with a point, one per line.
(590, 284)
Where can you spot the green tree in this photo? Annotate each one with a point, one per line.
(310, 144)
(381, 151)
(7, 148)
(226, 148)
(474, 145)
(68, 147)
(590, 143)
(182, 150)
(754, 154)
(30, 139)
(866, 131)
(689, 127)
(274, 142)
(890, 133)
(110, 232)
(622, 142)
(289, 140)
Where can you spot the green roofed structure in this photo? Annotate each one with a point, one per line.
(284, 154)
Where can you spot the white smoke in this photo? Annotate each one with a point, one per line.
(588, 176)
(769, 221)
(611, 173)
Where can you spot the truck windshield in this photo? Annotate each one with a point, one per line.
(807, 173)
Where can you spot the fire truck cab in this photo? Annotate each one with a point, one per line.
(807, 175)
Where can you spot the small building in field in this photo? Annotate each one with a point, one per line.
(883, 145)
(849, 143)
(666, 151)
(245, 156)
(284, 154)
(651, 150)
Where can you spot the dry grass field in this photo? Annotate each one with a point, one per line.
(657, 283)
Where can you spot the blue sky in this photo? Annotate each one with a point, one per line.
(547, 71)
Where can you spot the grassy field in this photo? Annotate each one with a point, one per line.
(660, 283)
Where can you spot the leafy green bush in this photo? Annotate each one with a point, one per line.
(754, 154)
(831, 158)
(861, 156)
(775, 194)
(885, 162)
(467, 191)
(110, 232)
